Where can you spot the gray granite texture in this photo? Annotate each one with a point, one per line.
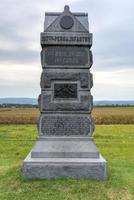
(65, 145)
(68, 56)
(83, 102)
(58, 26)
(50, 75)
(65, 149)
(51, 16)
(62, 124)
(47, 168)
(66, 38)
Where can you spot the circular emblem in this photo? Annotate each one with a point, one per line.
(66, 22)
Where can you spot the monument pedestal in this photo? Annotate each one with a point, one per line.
(65, 146)
(76, 157)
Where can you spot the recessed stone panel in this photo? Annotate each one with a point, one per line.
(65, 91)
(65, 125)
(66, 56)
(50, 75)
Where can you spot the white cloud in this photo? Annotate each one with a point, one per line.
(111, 23)
(118, 84)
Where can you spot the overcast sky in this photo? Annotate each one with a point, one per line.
(112, 25)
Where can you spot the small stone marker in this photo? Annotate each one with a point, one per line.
(65, 147)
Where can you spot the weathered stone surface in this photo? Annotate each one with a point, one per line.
(83, 102)
(82, 75)
(63, 38)
(50, 17)
(56, 56)
(66, 124)
(65, 146)
(65, 149)
(47, 168)
(66, 22)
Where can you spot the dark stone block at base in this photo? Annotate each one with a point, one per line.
(47, 168)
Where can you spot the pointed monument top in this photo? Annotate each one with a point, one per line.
(66, 20)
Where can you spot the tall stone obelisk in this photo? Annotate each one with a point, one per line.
(65, 146)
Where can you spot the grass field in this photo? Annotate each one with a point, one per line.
(116, 143)
(102, 115)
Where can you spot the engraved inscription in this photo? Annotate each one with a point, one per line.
(65, 90)
(63, 38)
(66, 39)
(66, 56)
(66, 125)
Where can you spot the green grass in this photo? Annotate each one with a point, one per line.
(116, 143)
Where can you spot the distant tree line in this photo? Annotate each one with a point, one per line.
(36, 106)
(115, 105)
(18, 106)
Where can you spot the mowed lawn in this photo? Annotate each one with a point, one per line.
(115, 142)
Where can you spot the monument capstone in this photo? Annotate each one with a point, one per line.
(65, 146)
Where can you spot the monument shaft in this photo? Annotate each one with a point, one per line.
(65, 147)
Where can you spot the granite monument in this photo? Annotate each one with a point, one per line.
(65, 146)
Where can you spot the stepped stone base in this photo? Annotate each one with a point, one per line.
(47, 168)
(74, 157)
